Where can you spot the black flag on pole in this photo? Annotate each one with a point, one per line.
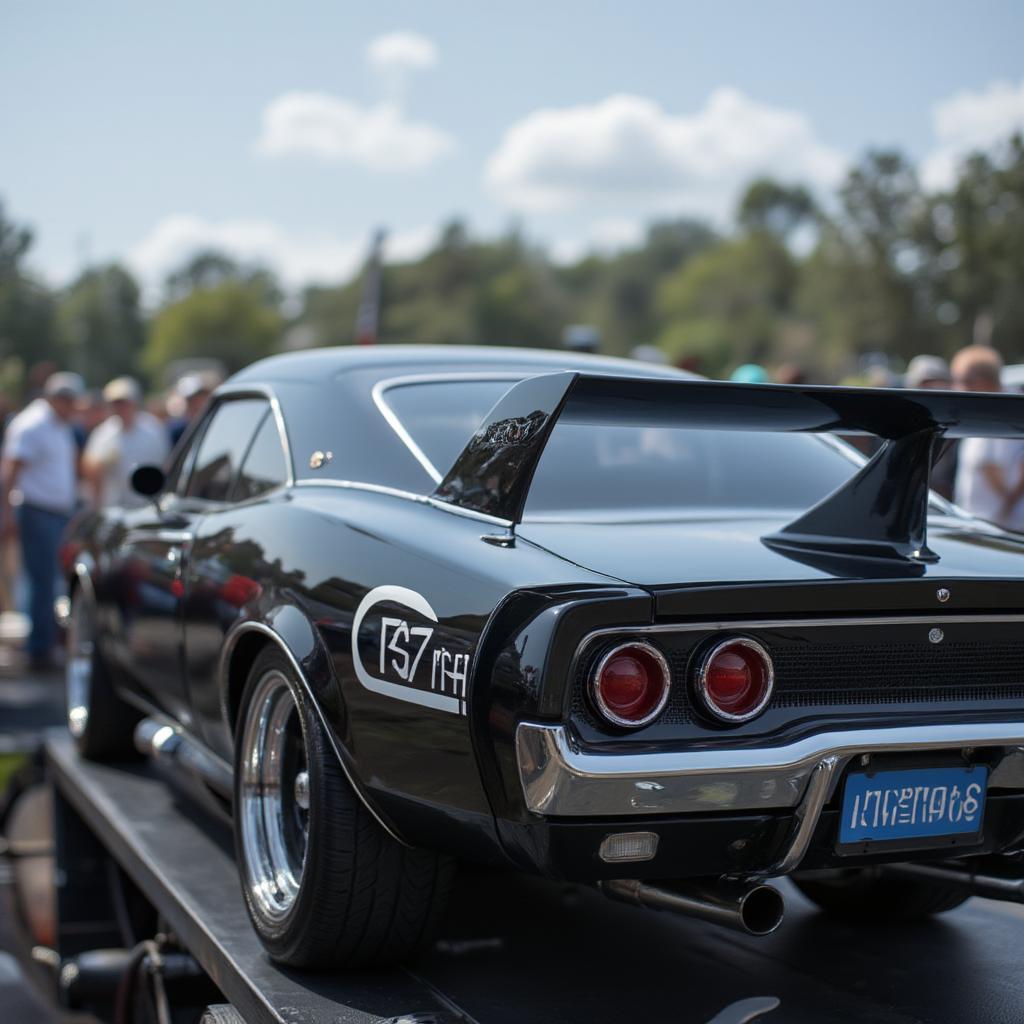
(368, 317)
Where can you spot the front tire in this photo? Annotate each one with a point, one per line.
(323, 883)
(101, 724)
(864, 896)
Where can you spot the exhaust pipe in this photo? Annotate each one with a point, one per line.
(992, 887)
(755, 909)
(177, 756)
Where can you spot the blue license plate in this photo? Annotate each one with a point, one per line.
(919, 803)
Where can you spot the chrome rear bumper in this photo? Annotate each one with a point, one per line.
(562, 780)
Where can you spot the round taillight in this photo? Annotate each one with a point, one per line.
(630, 685)
(734, 682)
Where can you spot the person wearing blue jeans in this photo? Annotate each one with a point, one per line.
(39, 480)
(40, 531)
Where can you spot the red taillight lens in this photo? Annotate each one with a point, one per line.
(735, 680)
(630, 685)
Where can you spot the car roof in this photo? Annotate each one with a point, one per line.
(320, 363)
(326, 398)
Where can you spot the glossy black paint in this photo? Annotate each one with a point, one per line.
(187, 591)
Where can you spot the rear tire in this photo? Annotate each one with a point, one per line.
(861, 895)
(101, 724)
(324, 884)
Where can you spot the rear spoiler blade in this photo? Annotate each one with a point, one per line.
(881, 512)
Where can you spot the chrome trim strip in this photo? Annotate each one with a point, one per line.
(558, 778)
(159, 536)
(394, 492)
(396, 424)
(741, 624)
(225, 660)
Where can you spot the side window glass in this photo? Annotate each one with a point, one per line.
(222, 447)
(264, 467)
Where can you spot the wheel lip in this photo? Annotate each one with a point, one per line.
(78, 669)
(271, 879)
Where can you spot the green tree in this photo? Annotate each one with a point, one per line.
(777, 209)
(28, 331)
(974, 237)
(864, 284)
(725, 306)
(232, 322)
(101, 324)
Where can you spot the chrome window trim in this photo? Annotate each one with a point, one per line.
(420, 499)
(233, 391)
(393, 421)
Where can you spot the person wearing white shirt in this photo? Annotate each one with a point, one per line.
(39, 477)
(129, 438)
(990, 470)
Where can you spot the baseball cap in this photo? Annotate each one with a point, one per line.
(64, 385)
(193, 384)
(924, 368)
(122, 389)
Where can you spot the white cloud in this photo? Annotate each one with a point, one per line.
(297, 257)
(400, 53)
(628, 148)
(331, 128)
(970, 121)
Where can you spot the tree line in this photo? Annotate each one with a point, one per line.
(879, 267)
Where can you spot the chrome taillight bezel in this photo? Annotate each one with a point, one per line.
(594, 690)
(707, 705)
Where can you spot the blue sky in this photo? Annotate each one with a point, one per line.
(287, 132)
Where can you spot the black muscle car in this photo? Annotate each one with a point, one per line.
(571, 615)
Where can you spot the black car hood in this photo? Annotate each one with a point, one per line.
(725, 548)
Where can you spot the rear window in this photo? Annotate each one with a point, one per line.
(613, 468)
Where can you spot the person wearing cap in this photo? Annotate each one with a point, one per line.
(928, 372)
(39, 476)
(990, 474)
(193, 392)
(932, 373)
(128, 438)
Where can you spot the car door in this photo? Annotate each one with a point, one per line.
(226, 570)
(157, 547)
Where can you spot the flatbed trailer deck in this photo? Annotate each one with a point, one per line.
(516, 949)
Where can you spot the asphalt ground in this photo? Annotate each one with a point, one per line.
(516, 949)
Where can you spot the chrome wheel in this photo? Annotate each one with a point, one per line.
(274, 797)
(78, 668)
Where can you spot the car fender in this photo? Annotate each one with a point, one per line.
(289, 629)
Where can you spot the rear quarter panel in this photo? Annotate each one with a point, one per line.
(421, 586)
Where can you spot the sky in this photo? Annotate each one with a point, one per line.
(285, 133)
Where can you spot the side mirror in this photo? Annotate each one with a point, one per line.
(148, 480)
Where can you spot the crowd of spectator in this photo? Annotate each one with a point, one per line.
(70, 448)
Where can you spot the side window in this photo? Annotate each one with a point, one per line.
(222, 448)
(264, 467)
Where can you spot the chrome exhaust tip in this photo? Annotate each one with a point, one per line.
(751, 908)
(153, 738)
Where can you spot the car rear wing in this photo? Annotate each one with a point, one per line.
(880, 513)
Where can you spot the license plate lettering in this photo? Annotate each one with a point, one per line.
(916, 803)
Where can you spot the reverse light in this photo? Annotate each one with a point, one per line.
(734, 681)
(621, 847)
(630, 685)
